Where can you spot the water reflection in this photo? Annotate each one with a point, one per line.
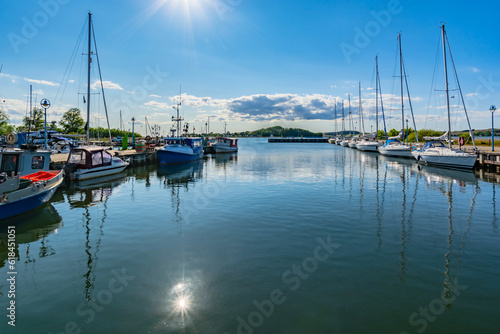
(35, 225)
(446, 182)
(175, 178)
(92, 196)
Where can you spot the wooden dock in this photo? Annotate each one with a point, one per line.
(298, 140)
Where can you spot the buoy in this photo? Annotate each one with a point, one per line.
(11, 138)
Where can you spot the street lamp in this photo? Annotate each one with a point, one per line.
(492, 109)
(133, 133)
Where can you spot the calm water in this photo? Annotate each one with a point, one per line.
(280, 238)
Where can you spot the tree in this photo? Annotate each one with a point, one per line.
(37, 120)
(381, 134)
(72, 121)
(393, 132)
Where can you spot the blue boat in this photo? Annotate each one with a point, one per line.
(180, 149)
(25, 181)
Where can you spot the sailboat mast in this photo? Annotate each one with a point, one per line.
(350, 115)
(361, 123)
(336, 128)
(376, 97)
(446, 80)
(401, 76)
(89, 60)
(343, 119)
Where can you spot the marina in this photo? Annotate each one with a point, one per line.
(163, 167)
(416, 233)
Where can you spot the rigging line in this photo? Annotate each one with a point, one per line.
(432, 83)
(100, 77)
(409, 99)
(69, 67)
(460, 90)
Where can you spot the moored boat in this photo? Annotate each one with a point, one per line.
(225, 145)
(89, 162)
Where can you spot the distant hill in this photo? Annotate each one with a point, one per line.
(279, 131)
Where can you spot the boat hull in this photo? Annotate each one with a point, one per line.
(393, 152)
(169, 157)
(465, 161)
(21, 201)
(224, 149)
(85, 174)
(368, 147)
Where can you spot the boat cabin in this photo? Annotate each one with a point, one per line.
(24, 162)
(191, 142)
(231, 142)
(433, 144)
(86, 158)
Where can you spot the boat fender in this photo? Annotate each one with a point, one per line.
(418, 158)
(11, 138)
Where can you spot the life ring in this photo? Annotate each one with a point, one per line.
(11, 138)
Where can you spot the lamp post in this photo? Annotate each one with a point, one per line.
(45, 105)
(492, 109)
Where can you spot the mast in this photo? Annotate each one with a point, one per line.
(376, 97)
(31, 110)
(336, 128)
(361, 124)
(446, 80)
(401, 77)
(343, 119)
(350, 115)
(89, 60)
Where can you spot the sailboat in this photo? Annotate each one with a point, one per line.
(87, 162)
(393, 146)
(368, 142)
(436, 152)
(180, 149)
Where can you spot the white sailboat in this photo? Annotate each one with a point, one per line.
(89, 162)
(393, 147)
(367, 142)
(436, 152)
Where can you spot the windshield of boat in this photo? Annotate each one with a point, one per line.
(432, 144)
(77, 157)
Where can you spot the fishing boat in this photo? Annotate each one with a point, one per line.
(393, 146)
(180, 149)
(25, 181)
(87, 162)
(436, 152)
(225, 144)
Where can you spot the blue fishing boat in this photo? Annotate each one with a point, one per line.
(25, 181)
(180, 149)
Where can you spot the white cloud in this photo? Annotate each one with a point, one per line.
(157, 105)
(475, 69)
(41, 82)
(105, 84)
(471, 94)
(154, 95)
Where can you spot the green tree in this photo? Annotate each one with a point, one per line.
(5, 126)
(72, 121)
(393, 132)
(381, 134)
(37, 120)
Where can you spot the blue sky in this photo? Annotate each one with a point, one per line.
(253, 63)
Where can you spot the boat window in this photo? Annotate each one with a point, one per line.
(106, 157)
(97, 158)
(37, 162)
(77, 157)
(9, 163)
(196, 143)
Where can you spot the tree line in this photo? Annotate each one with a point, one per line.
(70, 123)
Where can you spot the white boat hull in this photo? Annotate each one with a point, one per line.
(446, 158)
(85, 174)
(399, 152)
(224, 149)
(369, 147)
